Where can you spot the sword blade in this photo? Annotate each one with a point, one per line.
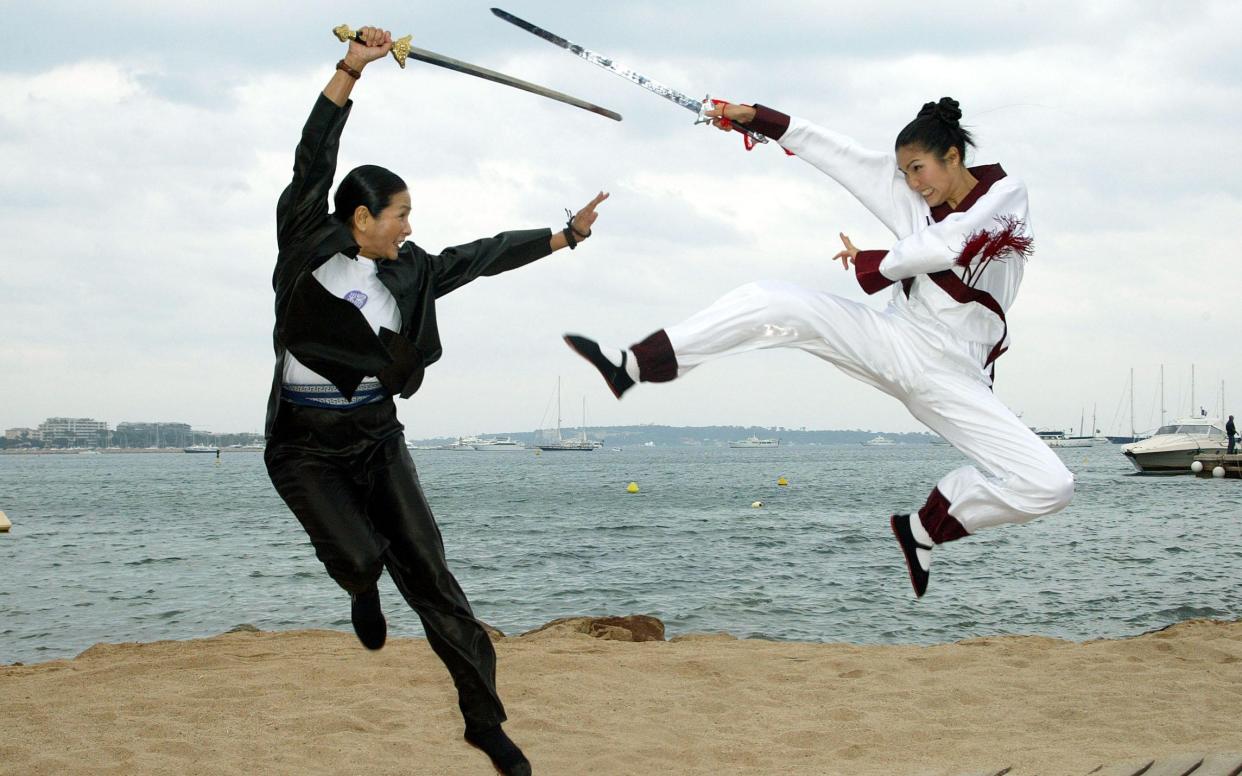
(611, 65)
(440, 60)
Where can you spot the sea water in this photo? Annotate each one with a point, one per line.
(115, 547)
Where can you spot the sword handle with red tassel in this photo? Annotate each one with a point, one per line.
(749, 137)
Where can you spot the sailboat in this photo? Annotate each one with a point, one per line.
(1134, 435)
(1067, 438)
(561, 444)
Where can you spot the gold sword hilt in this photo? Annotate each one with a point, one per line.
(400, 47)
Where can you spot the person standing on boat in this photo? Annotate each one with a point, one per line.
(1232, 432)
(356, 326)
(963, 235)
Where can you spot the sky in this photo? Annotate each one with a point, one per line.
(144, 145)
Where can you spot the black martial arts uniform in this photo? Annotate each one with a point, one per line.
(346, 473)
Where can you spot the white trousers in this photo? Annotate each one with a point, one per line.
(1016, 477)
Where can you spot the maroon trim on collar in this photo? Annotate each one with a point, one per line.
(768, 122)
(867, 270)
(656, 361)
(942, 526)
(986, 175)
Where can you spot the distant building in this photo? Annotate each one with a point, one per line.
(15, 438)
(73, 432)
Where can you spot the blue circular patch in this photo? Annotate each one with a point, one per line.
(356, 298)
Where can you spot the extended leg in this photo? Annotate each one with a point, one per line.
(864, 343)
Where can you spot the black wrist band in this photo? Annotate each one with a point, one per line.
(570, 225)
(568, 232)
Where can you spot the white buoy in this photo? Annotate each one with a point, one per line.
(756, 504)
(5, 525)
(1196, 467)
(1218, 472)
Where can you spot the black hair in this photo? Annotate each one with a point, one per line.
(937, 129)
(369, 185)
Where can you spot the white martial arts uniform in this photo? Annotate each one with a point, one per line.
(933, 346)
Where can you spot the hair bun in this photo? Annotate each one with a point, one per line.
(948, 110)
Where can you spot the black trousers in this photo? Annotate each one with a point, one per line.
(349, 479)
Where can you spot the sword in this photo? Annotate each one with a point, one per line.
(700, 107)
(401, 49)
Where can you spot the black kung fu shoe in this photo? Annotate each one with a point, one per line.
(505, 755)
(369, 622)
(919, 568)
(614, 374)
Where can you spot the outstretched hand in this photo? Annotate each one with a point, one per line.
(583, 220)
(848, 254)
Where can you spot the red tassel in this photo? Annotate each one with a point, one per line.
(975, 243)
(991, 245)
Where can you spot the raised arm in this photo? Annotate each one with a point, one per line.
(457, 266)
(871, 176)
(304, 203)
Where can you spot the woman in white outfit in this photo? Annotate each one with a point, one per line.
(963, 237)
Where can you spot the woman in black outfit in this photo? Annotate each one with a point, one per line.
(356, 326)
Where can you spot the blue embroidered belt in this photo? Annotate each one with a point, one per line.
(328, 397)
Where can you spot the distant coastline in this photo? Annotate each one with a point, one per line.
(118, 450)
(703, 436)
(610, 436)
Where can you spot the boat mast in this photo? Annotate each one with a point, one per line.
(1133, 436)
(558, 408)
(584, 418)
(1193, 414)
(1162, 394)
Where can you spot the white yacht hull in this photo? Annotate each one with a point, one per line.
(500, 447)
(1169, 461)
(1171, 454)
(1071, 442)
(570, 447)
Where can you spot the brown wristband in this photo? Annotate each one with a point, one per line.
(352, 73)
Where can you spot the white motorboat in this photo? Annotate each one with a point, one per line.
(879, 441)
(498, 445)
(459, 445)
(754, 441)
(1061, 439)
(1174, 447)
(202, 449)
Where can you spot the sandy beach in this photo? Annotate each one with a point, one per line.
(316, 702)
